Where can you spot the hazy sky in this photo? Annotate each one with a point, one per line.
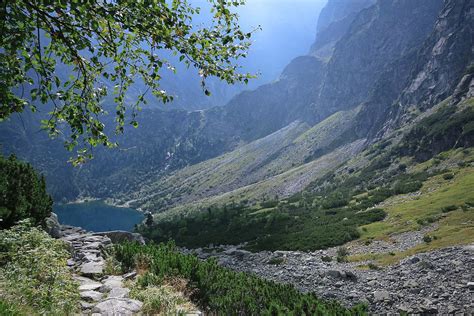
(288, 30)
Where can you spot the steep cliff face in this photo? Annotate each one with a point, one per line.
(378, 36)
(334, 21)
(444, 57)
(437, 68)
(310, 89)
(337, 10)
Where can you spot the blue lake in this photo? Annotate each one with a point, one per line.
(97, 216)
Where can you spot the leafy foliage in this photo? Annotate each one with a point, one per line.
(164, 299)
(342, 253)
(8, 308)
(22, 193)
(34, 273)
(104, 46)
(223, 291)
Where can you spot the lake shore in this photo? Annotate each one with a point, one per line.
(109, 201)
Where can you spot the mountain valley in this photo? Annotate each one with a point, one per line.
(351, 176)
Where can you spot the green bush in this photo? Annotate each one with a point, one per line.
(222, 291)
(448, 176)
(336, 199)
(34, 273)
(427, 239)
(326, 258)
(442, 130)
(469, 203)
(159, 298)
(342, 253)
(9, 309)
(373, 266)
(22, 193)
(403, 187)
(276, 261)
(421, 221)
(268, 204)
(449, 208)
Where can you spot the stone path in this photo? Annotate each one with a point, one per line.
(100, 294)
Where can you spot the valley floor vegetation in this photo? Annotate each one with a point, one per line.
(35, 278)
(306, 221)
(221, 291)
(336, 208)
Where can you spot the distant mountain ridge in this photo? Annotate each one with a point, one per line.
(375, 116)
(350, 93)
(166, 140)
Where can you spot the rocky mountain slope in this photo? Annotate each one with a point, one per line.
(170, 140)
(389, 62)
(333, 22)
(281, 163)
(349, 162)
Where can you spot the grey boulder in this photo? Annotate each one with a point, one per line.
(52, 226)
(118, 306)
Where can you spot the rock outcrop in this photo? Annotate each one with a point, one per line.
(444, 57)
(333, 22)
(52, 226)
(438, 67)
(118, 236)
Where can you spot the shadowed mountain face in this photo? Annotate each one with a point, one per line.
(367, 57)
(336, 11)
(334, 20)
(425, 76)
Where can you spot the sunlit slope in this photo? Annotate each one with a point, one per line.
(445, 202)
(279, 164)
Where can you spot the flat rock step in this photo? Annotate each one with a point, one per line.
(112, 282)
(90, 286)
(119, 292)
(91, 296)
(118, 306)
(94, 269)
